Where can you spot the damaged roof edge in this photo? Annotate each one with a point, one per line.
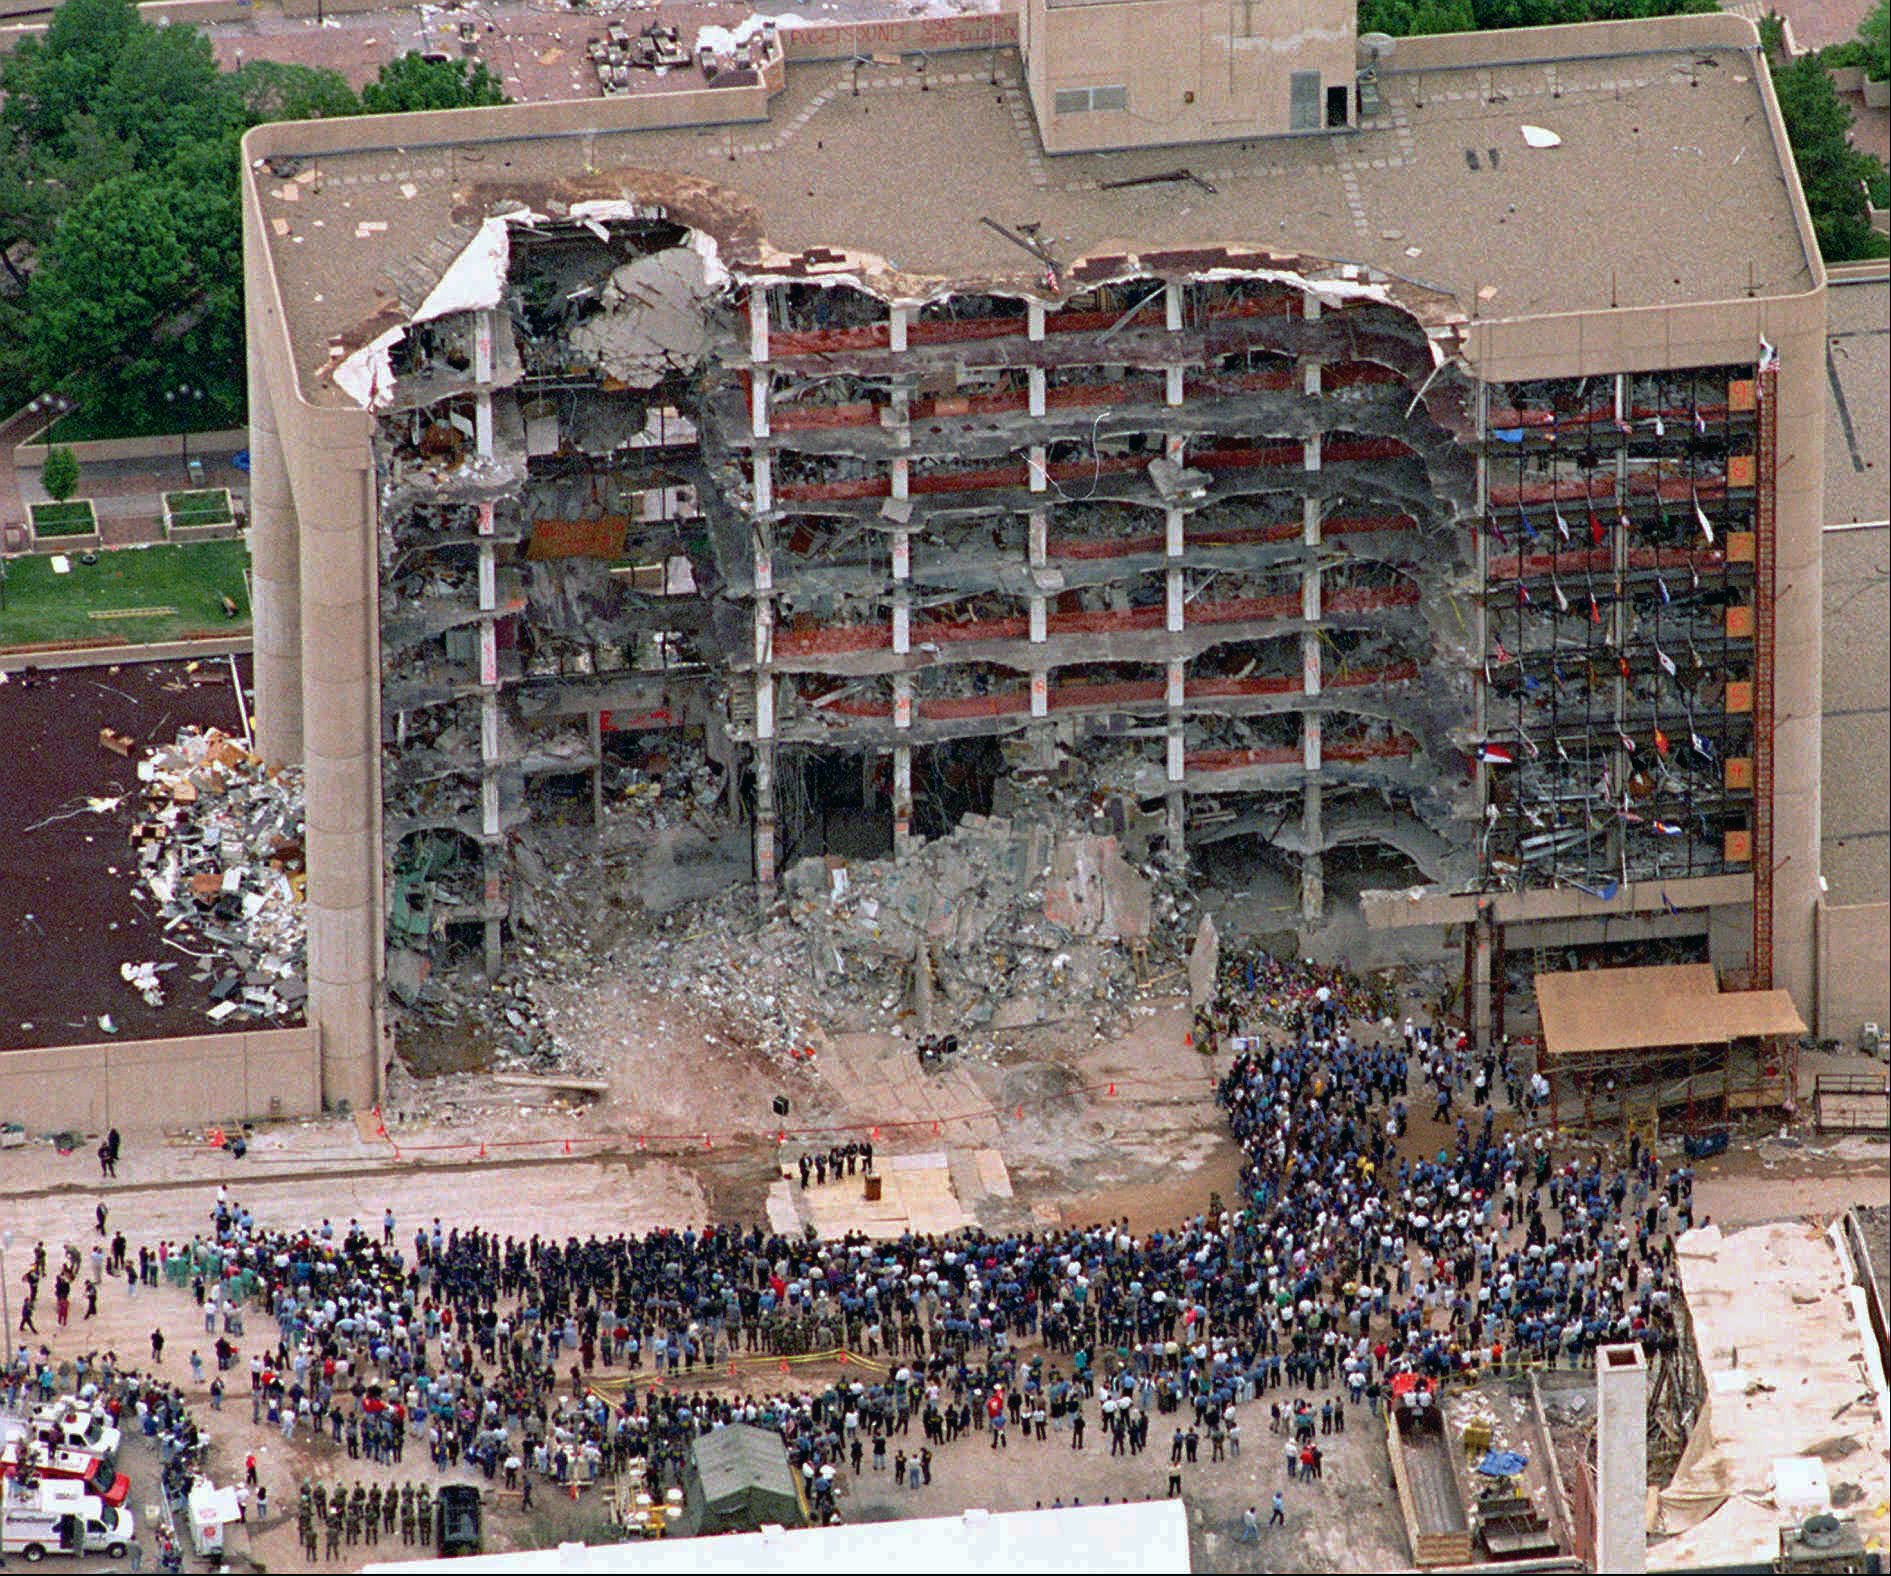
(475, 279)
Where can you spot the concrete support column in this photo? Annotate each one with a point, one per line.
(1040, 620)
(758, 325)
(896, 327)
(1172, 385)
(488, 579)
(482, 424)
(758, 402)
(1035, 378)
(1037, 548)
(1177, 691)
(764, 815)
(1176, 528)
(1310, 307)
(1040, 695)
(900, 476)
(902, 800)
(1621, 1459)
(1040, 478)
(1175, 609)
(764, 485)
(1313, 861)
(1176, 751)
(1175, 817)
(902, 554)
(1480, 979)
(275, 587)
(1172, 307)
(902, 624)
(1310, 376)
(902, 700)
(492, 950)
(1034, 321)
(1310, 453)
(341, 738)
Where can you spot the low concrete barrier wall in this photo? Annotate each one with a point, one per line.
(160, 446)
(184, 1082)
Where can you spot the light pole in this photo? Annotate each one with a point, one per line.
(185, 397)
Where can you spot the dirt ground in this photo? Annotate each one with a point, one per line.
(68, 910)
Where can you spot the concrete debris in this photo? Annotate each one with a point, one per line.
(220, 849)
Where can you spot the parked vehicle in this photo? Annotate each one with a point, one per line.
(457, 1519)
(98, 1474)
(57, 1516)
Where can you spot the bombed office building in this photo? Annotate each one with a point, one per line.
(1106, 486)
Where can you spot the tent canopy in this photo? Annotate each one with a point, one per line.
(1655, 1008)
(739, 1479)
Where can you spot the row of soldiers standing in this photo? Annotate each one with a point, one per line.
(361, 1515)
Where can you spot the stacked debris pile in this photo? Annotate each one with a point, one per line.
(220, 849)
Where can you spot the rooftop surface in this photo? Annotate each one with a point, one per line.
(1441, 189)
(1858, 386)
(1855, 770)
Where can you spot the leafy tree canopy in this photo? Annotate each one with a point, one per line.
(413, 82)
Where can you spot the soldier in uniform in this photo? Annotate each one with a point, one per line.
(423, 1515)
(305, 1523)
(373, 1525)
(334, 1527)
(320, 1497)
(407, 1513)
(357, 1503)
(387, 1511)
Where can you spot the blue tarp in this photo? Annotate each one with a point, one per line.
(1502, 1463)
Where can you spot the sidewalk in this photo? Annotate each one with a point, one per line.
(128, 495)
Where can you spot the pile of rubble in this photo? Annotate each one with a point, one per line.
(220, 848)
(1003, 925)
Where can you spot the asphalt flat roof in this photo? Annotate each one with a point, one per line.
(1858, 392)
(904, 178)
(1651, 1008)
(1855, 769)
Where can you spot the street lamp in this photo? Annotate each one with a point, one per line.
(184, 397)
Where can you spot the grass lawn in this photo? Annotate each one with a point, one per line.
(211, 506)
(63, 519)
(84, 425)
(168, 590)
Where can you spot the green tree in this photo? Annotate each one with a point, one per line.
(275, 90)
(115, 293)
(60, 474)
(413, 82)
(49, 80)
(1875, 34)
(164, 92)
(1832, 172)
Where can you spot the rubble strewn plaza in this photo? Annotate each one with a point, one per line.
(1058, 786)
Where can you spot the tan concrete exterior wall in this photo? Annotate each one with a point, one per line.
(1194, 70)
(1854, 970)
(329, 511)
(183, 1082)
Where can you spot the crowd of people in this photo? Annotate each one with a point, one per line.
(1352, 1254)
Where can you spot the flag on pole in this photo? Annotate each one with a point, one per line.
(1707, 526)
(1700, 422)
(1628, 744)
(1595, 610)
(1661, 585)
(1523, 594)
(1661, 427)
(1562, 525)
(1700, 746)
(1562, 602)
(1523, 519)
(1666, 901)
(1667, 663)
(1596, 532)
(1667, 829)
(1494, 755)
(1661, 742)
